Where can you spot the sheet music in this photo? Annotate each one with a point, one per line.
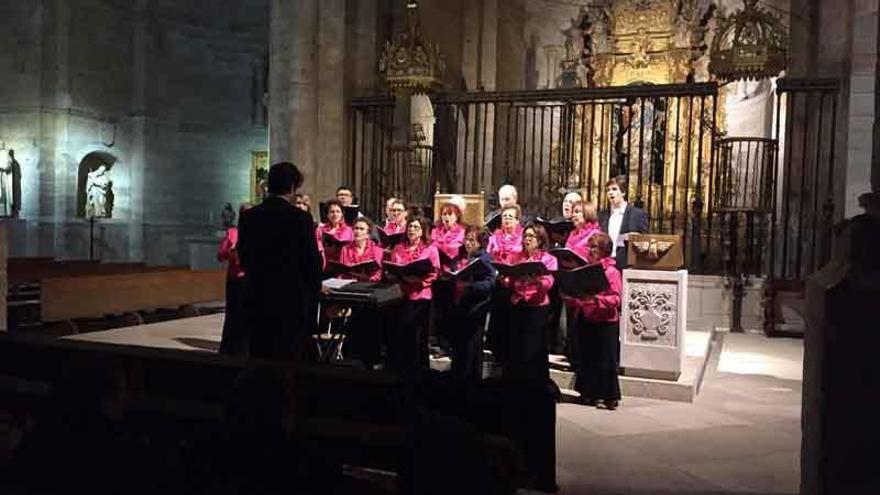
(335, 283)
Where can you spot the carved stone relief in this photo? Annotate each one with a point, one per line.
(652, 313)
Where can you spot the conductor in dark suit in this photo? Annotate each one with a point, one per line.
(622, 219)
(279, 254)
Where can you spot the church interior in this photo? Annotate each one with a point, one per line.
(745, 131)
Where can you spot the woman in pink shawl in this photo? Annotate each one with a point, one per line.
(449, 235)
(505, 246)
(408, 335)
(530, 302)
(337, 229)
(586, 223)
(597, 322)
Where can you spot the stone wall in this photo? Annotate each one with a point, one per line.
(171, 90)
(3, 279)
(709, 304)
(839, 39)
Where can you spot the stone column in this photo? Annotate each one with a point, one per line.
(3, 280)
(53, 171)
(875, 159)
(862, 61)
(293, 111)
(509, 76)
(306, 90)
(138, 125)
(362, 45)
(331, 98)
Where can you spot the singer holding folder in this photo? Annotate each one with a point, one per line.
(586, 223)
(530, 301)
(334, 234)
(504, 246)
(408, 335)
(464, 319)
(361, 260)
(361, 250)
(449, 235)
(597, 322)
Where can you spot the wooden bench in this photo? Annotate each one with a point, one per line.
(342, 416)
(33, 273)
(26, 275)
(65, 299)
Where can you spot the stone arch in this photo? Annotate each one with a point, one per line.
(89, 163)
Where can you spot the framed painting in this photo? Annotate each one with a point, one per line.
(473, 211)
(259, 175)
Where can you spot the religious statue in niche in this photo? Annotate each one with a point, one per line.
(574, 40)
(99, 193)
(227, 216)
(10, 187)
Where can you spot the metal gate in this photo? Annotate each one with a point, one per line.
(552, 141)
(803, 209)
(803, 212)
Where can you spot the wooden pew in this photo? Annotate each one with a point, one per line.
(26, 274)
(33, 273)
(65, 299)
(342, 415)
(30, 259)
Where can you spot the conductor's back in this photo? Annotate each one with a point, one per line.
(280, 257)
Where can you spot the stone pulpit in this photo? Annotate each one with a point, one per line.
(653, 323)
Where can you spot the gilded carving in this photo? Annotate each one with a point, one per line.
(652, 248)
(652, 313)
(409, 63)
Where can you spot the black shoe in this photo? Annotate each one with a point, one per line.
(588, 402)
(611, 404)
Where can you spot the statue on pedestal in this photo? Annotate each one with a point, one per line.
(227, 216)
(574, 41)
(99, 193)
(10, 187)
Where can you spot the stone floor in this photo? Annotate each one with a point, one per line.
(740, 436)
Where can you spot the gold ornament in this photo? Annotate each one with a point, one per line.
(409, 63)
(749, 44)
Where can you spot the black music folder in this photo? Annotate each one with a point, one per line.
(418, 268)
(567, 258)
(579, 282)
(349, 213)
(446, 260)
(330, 241)
(389, 240)
(493, 221)
(375, 293)
(358, 270)
(475, 269)
(521, 270)
(558, 227)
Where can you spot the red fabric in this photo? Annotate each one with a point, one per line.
(402, 255)
(505, 248)
(394, 228)
(533, 291)
(603, 307)
(579, 239)
(349, 256)
(343, 233)
(449, 240)
(228, 252)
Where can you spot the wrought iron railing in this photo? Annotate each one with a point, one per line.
(551, 141)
